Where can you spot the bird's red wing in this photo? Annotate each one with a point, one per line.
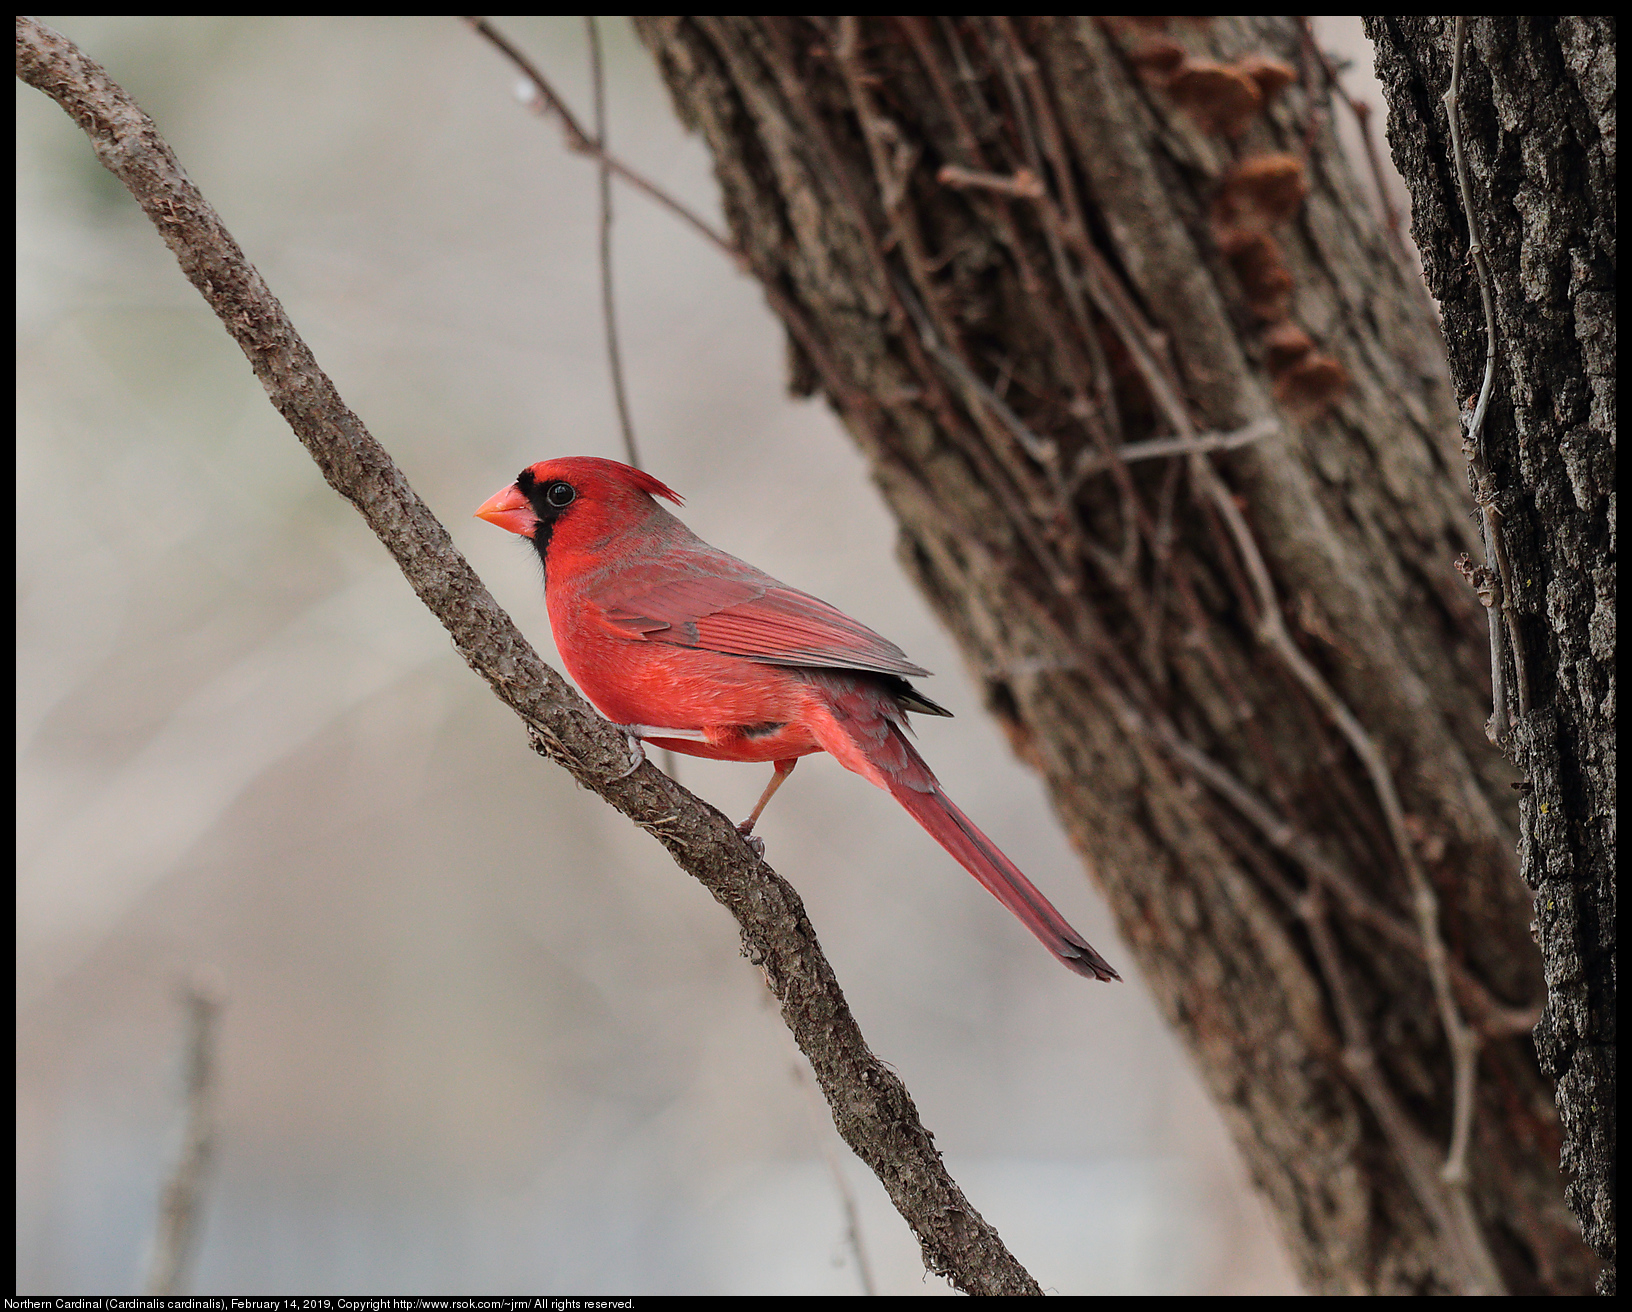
(742, 612)
(784, 626)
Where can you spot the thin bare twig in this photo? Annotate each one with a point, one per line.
(872, 1108)
(1447, 1209)
(1361, 111)
(1379, 180)
(1022, 182)
(585, 144)
(1359, 1059)
(1496, 1017)
(609, 312)
(547, 98)
(1040, 449)
(609, 309)
(1272, 631)
(1473, 442)
(1476, 245)
(1092, 462)
(811, 1096)
(181, 1202)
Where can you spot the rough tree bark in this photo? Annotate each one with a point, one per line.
(1020, 256)
(1537, 103)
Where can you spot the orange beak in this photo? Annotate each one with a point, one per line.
(509, 510)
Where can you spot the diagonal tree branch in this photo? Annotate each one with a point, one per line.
(871, 1108)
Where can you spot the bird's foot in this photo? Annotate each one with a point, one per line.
(746, 829)
(637, 753)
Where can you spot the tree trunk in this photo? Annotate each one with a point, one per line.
(1537, 104)
(1012, 254)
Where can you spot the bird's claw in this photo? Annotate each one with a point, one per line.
(637, 756)
(746, 829)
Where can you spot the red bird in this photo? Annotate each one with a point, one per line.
(694, 650)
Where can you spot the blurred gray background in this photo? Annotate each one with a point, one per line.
(479, 1035)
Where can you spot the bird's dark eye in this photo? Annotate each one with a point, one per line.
(558, 496)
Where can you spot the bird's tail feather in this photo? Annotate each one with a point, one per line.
(977, 854)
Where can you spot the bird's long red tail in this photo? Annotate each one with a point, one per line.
(864, 736)
(908, 777)
(977, 854)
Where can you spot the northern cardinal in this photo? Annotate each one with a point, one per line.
(696, 651)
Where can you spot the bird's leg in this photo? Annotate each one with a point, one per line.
(781, 771)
